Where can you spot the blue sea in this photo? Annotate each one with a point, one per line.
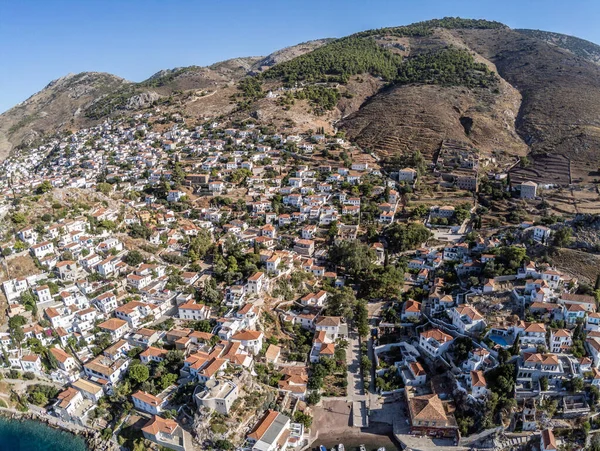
(28, 435)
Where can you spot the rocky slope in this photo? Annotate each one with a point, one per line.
(580, 47)
(77, 100)
(59, 105)
(560, 112)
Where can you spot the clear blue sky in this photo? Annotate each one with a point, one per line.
(41, 40)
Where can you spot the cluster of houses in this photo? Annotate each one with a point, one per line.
(556, 339)
(87, 293)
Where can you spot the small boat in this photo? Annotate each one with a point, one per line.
(381, 449)
(362, 448)
(341, 447)
(322, 448)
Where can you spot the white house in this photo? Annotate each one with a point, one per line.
(478, 384)
(541, 233)
(269, 433)
(42, 249)
(528, 190)
(467, 319)
(192, 311)
(218, 396)
(434, 342)
(252, 340)
(407, 175)
(256, 283)
(147, 402)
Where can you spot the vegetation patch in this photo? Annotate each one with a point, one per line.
(426, 27)
(447, 67)
(337, 61)
(157, 82)
(108, 104)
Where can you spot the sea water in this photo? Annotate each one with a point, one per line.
(27, 435)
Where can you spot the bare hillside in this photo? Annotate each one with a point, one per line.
(58, 106)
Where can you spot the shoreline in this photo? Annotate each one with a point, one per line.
(93, 440)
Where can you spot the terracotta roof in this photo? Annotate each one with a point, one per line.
(437, 335)
(417, 369)
(255, 276)
(478, 379)
(145, 332)
(247, 335)
(87, 386)
(65, 397)
(548, 439)
(327, 349)
(59, 354)
(427, 408)
(544, 359)
(154, 352)
(412, 306)
(213, 366)
(147, 398)
(128, 308)
(272, 352)
(191, 305)
(262, 426)
(112, 324)
(328, 321)
(158, 424)
(246, 308)
(584, 298)
(469, 311)
(536, 328)
(30, 358)
(201, 335)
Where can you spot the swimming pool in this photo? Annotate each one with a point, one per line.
(498, 339)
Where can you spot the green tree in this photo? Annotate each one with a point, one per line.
(341, 303)
(356, 258)
(134, 258)
(39, 398)
(313, 398)
(44, 187)
(166, 380)
(139, 373)
(562, 237)
(361, 318)
(402, 237)
(18, 218)
(104, 188)
(201, 243)
(303, 418)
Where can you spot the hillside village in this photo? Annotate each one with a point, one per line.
(218, 285)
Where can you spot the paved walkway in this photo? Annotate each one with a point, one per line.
(20, 384)
(355, 389)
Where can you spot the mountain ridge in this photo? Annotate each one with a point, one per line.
(424, 82)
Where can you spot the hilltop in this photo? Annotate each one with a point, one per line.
(509, 93)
